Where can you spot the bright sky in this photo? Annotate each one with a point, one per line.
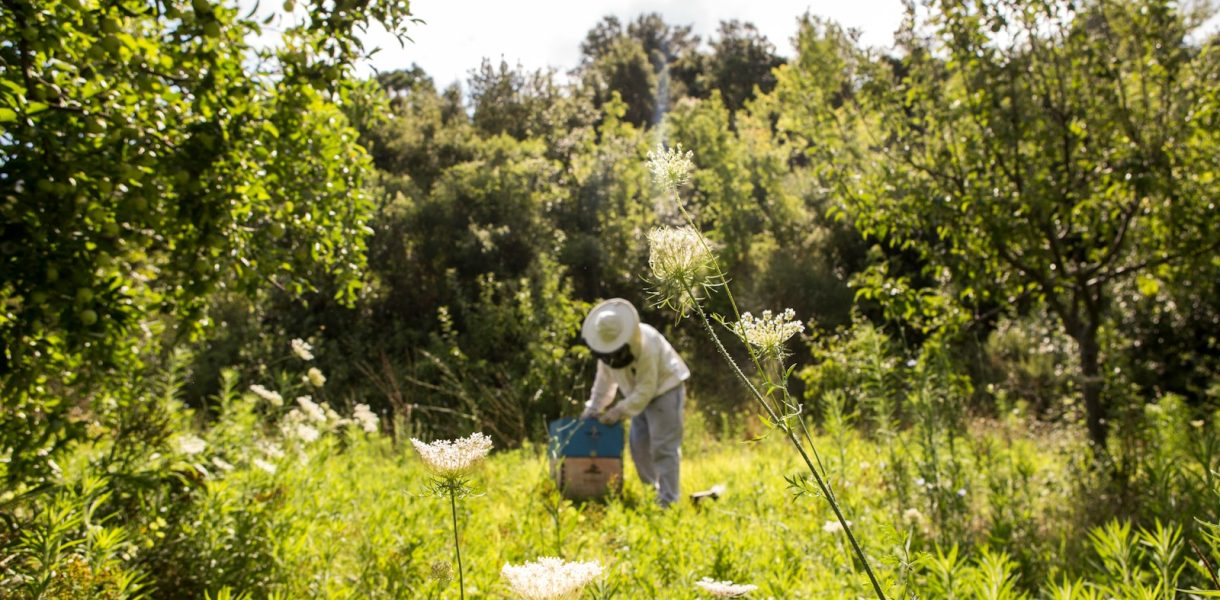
(540, 33)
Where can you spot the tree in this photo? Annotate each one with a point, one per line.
(662, 43)
(625, 70)
(610, 63)
(1048, 150)
(147, 162)
(742, 59)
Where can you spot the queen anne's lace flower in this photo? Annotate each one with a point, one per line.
(364, 417)
(296, 425)
(550, 578)
(311, 409)
(769, 332)
(671, 168)
(451, 458)
(303, 350)
(725, 589)
(315, 377)
(271, 450)
(274, 398)
(264, 465)
(681, 263)
(307, 433)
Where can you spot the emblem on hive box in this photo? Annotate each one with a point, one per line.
(593, 470)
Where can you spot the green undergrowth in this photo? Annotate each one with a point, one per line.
(1002, 508)
(353, 519)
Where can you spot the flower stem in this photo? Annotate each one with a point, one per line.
(783, 425)
(457, 547)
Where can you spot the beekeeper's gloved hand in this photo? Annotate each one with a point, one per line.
(589, 413)
(612, 416)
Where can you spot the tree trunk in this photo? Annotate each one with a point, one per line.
(1095, 407)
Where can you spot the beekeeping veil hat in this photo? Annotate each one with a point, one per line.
(610, 325)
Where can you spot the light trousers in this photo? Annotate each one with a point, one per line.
(656, 440)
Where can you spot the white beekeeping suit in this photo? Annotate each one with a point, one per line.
(637, 360)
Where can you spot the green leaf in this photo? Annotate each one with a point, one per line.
(1147, 285)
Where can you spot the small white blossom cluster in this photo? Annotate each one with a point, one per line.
(272, 398)
(314, 377)
(273, 451)
(725, 589)
(912, 516)
(451, 458)
(671, 168)
(311, 409)
(264, 465)
(364, 417)
(550, 578)
(768, 332)
(303, 350)
(191, 444)
(303, 422)
(834, 526)
(297, 425)
(681, 262)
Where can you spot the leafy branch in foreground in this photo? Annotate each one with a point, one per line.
(684, 266)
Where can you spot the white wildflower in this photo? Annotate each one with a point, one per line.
(768, 332)
(912, 516)
(306, 433)
(364, 417)
(550, 578)
(191, 444)
(273, 398)
(1197, 424)
(296, 424)
(450, 458)
(671, 168)
(310, 409)
(303, 350)
(272, 451)
(222, 464)
(315, 377)
(834, 526)
(725, 589)
(682, 263)
(264, 465)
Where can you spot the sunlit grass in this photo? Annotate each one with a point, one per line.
(358, 522)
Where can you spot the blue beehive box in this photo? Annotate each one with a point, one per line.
(584, 438)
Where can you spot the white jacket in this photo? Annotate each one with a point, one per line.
(657, 368)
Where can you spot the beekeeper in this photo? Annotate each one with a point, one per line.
(637, 360)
